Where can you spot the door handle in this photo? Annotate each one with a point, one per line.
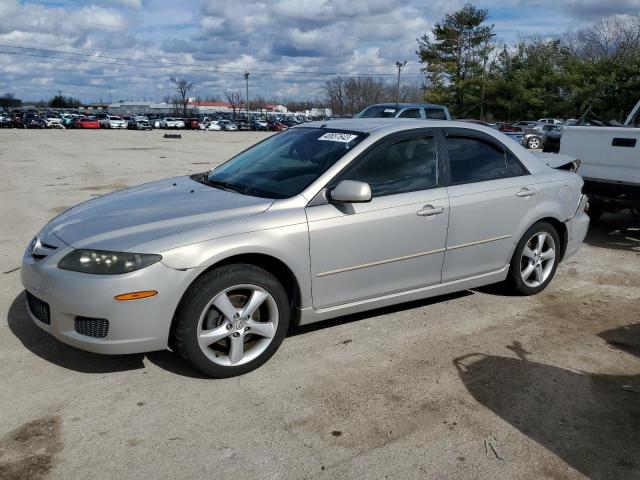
(525, 192)
(430, 210)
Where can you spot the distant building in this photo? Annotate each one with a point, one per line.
(143, 108)
(93, 107)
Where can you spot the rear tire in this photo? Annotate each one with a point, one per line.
(534, 143)
(231, 320)
(534, 260)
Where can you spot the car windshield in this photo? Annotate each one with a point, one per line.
(378, 111)
(285, 164)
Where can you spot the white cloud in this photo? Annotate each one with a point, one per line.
(288, 36)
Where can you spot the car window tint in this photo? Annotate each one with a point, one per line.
(514, 167)
(410, 113)
(406, 166)
(435, 114)
(473, 160)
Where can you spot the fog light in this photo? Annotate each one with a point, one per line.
(136, 295)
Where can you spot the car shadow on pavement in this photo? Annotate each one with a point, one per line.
(52, 350)
(591, 421)
(619, 231)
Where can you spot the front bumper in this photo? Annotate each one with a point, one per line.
(134, 326)
(577, 227)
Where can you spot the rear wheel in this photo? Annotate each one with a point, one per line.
(535, 259)
(534, 143)
(232, 320)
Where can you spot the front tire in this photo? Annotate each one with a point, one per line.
(535, 260)
(231, 320)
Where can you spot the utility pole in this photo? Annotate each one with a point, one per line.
(246, 78)
(399, 66)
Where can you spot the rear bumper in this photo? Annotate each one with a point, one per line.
(577, 227)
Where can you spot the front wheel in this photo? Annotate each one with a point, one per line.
(231, 320)
(535, 260)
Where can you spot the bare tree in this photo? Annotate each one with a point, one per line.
(184, 87)
(259, 103)
(8, 100)
(614, 37)
(234, 97)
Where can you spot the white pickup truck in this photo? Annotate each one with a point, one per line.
(609, 163)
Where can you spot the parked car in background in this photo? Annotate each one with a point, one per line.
(534, 136)
(16, 120)
(86, 123)
(192, 124)
(514, 133)
(68, 120)
(103, 119)
(210, 125)
(31, 120)
(171, 122)
(553, 121)
(277, 127)
(116, 122)
(218, 264)
(5, 121)
(425, 111)
(610, 161)
(139, 123)
(259, 125)
(53, 121)
(227, 125)
(524, 124)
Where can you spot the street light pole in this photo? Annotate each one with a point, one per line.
(246, 77)
(399, 66)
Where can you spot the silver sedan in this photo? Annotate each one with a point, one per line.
(319, 221)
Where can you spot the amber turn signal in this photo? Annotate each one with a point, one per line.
(136, 295)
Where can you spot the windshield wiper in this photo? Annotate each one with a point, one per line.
(225, 185)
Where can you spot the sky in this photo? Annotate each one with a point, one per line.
(130, 49)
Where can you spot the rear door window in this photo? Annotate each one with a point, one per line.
(435, 114)
(474, 160)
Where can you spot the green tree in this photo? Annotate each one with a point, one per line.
(454, 59)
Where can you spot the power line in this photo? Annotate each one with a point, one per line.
(86, 53)
(144, 63)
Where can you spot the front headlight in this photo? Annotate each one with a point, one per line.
(101, 262)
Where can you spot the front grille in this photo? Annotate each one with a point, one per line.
(38, 308)
(92, 327)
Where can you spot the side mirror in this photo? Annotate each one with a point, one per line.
(350, 191)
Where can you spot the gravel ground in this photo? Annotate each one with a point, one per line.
(466, 386)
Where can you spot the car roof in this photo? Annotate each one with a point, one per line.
(368, 125)
(407, 105)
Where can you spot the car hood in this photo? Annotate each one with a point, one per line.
(125, 218)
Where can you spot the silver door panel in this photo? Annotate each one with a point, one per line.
(486, 219)
(365, 250)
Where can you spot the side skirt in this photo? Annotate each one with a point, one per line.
(310, 315)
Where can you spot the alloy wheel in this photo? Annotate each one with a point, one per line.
(538, 259)
(237, 325)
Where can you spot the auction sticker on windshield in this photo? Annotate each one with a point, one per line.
(338, 137)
